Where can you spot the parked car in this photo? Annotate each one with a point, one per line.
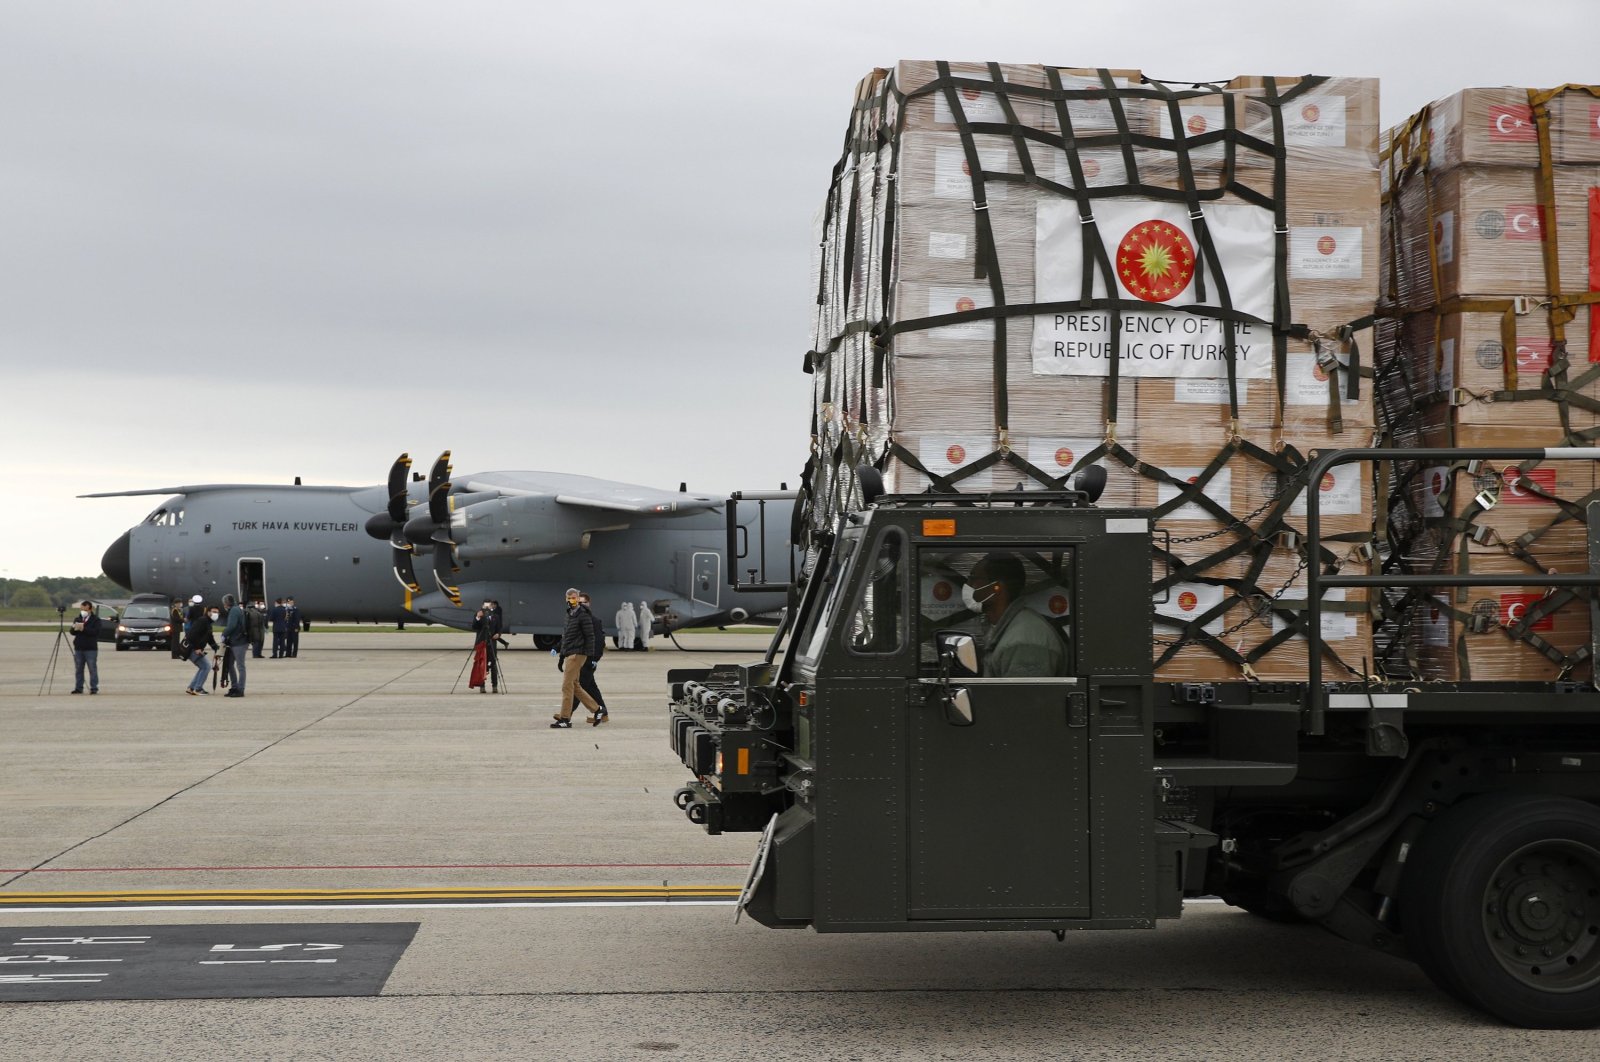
(146, 623)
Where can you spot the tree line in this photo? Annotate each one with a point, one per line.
(48, 591)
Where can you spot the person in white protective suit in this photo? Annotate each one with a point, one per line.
(647, 621)
(626, 623)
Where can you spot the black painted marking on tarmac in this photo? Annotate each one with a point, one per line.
(68, 963)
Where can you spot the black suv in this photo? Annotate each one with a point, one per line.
(146, 623)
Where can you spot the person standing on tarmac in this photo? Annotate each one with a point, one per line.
(625, 626)
(291, 627)
(485, 658)
(647, 620)
(196, 641)
(586, 679)
(255, 618)
(577, 642)
(175, 638)
(86, 648)
(275, 617)
(236, 643)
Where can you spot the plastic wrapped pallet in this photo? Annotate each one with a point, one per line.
(1491, 244)
(973, 334)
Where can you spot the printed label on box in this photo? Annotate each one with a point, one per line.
(941, 597)
(1514, 609)
(1444, 366)
(1315, 121)
(1101, 169)
(952, 178)
(1336, 625)
(1436, 624)
(1199, 119)
(1435, 482)
(1325, 253)
(1306, 383)
(1057, 455)
(1340, 493)
(1189, 601)
(949, 299)
(1208, 392)
(944, 454)
(947, 245)
(1521, 486)
(978, 105)
(1444, 236)
(1219, 490)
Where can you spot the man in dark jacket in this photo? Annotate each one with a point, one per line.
(255, 618)
(577, 642)
(196, 642)
(485, 659)
(175, 639)
(291, 627)
(275, 617)
(86, 648)
(236, 643)
(586, 680)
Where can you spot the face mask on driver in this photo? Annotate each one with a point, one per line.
(215, 615)
(973, 602)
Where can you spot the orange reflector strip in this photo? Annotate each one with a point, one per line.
(939, 528)
(744, 761)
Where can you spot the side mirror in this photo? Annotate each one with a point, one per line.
(958, 708)
(958, 652)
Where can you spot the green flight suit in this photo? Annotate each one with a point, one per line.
(1024, 645)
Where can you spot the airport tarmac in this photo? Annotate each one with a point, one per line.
(354, 862)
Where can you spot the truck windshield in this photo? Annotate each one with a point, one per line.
(817, 625)
(1033, 580)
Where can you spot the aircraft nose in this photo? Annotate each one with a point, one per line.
(118, 561)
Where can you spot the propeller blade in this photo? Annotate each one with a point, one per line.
(442, 559)
(399, 472)
(403, 570)
(439, 490)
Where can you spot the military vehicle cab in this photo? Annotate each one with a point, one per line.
(913, 767)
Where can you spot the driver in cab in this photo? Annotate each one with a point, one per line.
(1018, 642)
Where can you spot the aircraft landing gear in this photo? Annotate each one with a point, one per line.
(546, 642)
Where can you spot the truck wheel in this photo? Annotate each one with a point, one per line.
(546, 642)
(122, 647)
(1265, 905)
(1501, 908)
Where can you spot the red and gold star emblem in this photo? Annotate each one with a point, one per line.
(1155, 261)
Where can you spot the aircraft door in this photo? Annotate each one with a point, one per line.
(997, 803)
(705, 585)
(252, 579)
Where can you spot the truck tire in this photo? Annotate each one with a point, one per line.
(1501, 908)
(546, 642)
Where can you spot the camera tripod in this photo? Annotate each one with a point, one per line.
(492, 672)
(55, 651)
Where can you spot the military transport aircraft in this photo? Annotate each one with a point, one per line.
(522, 538)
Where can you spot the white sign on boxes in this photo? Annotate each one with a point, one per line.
(1156, 255)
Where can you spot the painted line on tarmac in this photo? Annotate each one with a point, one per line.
(160, 899)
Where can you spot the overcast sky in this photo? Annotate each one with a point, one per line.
(246, 241)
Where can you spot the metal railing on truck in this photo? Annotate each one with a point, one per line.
(759, 582)
(1316, 581)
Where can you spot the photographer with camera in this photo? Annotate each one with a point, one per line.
(85, 647)
(196, 641)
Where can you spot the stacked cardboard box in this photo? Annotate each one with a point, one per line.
(955, 348)
(1489, 253)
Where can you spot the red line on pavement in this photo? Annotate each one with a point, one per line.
(379, 866)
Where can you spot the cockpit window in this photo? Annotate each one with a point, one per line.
(164, 517)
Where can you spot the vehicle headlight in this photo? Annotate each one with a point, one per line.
(167, 629)
(121, 629)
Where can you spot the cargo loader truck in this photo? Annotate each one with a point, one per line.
(900, 784)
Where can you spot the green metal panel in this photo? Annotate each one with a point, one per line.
(860, 737)
(1121, 787)
(997, 811)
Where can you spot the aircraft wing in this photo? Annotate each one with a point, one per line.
(212, 488)
(585, 492)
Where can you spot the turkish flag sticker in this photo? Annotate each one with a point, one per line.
(1533, 355)
(1512, 124)
(1524, 221)
(1514, 609)
(1520, 486)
